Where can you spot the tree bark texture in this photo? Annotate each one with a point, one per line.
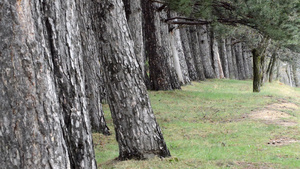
(256, 70)
(194, 41)
(205, 51)
(137, 132)
(44, 119)
(187, 53)
(216, 60)
(245, 61)
(224, 58)
(230, 59)
(181, 55)
(240, 61)
(162, 73)
(296, 77)
(133, 9)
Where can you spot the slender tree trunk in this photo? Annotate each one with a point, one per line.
(296, 78)
(224, 58)
(245, 60)
(256, 70)
(44, 121)
(188, 56)
(230, 59)
(194, 41)
(216, 60)
(234, 62)
(240, 61)
(205, 49)
(137, 132)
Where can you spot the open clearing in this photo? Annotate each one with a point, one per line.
(219, 124)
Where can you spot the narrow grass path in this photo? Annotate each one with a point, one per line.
(220, 124)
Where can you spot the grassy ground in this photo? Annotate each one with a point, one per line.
(211, 125)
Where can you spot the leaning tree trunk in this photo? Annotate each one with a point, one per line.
(187, 53)
(44, 121)
(205, 51)
(133, 9)
(162, 73)
(137, 132)
(195, 48)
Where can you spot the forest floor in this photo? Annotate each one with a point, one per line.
(219, 124)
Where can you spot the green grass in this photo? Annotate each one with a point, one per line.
(206, 125)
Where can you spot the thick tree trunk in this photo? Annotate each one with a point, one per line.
(234, 62)
(137, 132)
(224, 58)
(256, 70)
(176, 58)
(230, 59)
(205, 51)
(133, 9)
(296, 78)
(194, 41)
(188, 56)
(162, 73)
(44, 121)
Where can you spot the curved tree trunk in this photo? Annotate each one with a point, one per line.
(137, 132)
(188, 56)
(44, 121)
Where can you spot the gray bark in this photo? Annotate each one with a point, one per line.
(224, 58)
(133, 9)
(162, 72)
(245, 61)
(137, 132)
(195, 48)
(239, 61)
(230, 59)
(216, 60)
(188, 56)
(296, 77)
(44, 120)
(205, 51)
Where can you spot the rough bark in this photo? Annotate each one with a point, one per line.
(133, 9)
(187, 53)
(137, 132)
(296, 78)
(234, 62)
(230, 59)
(224, 58)
(162, 73)
(245, 61)
(205, 51)
(240, 61)
(44, 121)
(256, 70)
(175, 54)
(195, 48)
(216, 59)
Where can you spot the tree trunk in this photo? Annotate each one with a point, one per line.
(256, 70)
(194, 41)
(234, 62)
(245, 61)
(296, 78)
(230, 59)
(240, 61)
(133, 9)
(224, 58)
(205, 52)
(176, 58)
(216, 59)
(137, 132)
(187, 53)
(162, 74)
(44, 121)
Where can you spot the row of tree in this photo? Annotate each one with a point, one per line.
(60, 59)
